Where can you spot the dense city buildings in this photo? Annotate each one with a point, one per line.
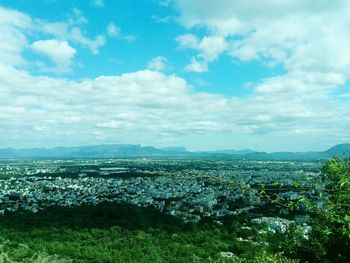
(189, 189)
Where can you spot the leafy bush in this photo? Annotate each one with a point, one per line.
(330, 238)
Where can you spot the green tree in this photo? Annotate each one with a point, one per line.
(330, 239)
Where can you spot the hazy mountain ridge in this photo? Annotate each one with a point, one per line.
(130, 150)
(233, 152)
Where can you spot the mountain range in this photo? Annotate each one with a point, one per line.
(131, 150)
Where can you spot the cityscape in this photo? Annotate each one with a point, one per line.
(195, 189)
(174, 131)
(192, 190)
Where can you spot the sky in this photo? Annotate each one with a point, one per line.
(268, 75)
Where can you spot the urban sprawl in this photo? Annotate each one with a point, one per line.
(189, 189)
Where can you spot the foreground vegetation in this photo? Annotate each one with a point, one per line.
(124, 233)
(330, 239)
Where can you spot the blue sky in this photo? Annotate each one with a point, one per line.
(230, 74)
(150, 37)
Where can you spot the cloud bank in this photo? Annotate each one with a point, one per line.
(294, 110)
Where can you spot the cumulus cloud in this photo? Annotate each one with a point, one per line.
(187, 41)
(135, 103)
(209, 48)
(72, 31)
(113, 31)
(17, 28)
(158, 63)
(93, 44)
(152, 107)
(13, 39)
(60, 52)
(77, 18)
(58, 29)
(197, 66)
(308, 39)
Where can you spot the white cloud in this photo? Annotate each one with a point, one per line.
(308, 39)
(57, 29)
(12, 38)
(94, 45)
(150, 107)
(158, 64)
(60, 52)
(209, 48)
(77, 18)
(16, 28)
(197, 66)
(146, 101)
(147, 107)
(112, 30)
(72, 30)
(188, 41)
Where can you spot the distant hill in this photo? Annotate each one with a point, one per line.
(131, 150)
(341, 150)
(174, 149)
(96, 151)
(233, 152)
